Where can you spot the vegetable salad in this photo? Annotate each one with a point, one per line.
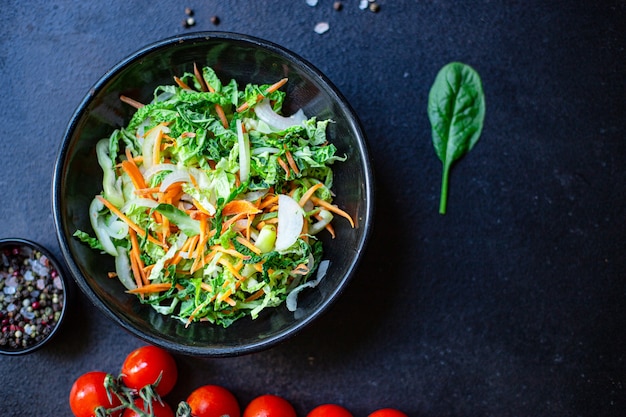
(212, 201)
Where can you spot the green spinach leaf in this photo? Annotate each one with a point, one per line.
(456, 109)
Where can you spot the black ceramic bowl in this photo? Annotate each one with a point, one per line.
(34, 294)
(78, 178)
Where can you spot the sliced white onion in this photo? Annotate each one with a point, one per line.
(116, 228)
(263, 149)
(155, 169)
(244, 153)
(97, 223)
(318, 226)
(290, 222)
(292, 299)
(122, 269)
(172, 178)
(141, 129)
(165, 95)
(138, 202)
(254, 195)
(202, 179)
(264, 111)
(147, 148)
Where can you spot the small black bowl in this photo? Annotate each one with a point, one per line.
(78, 178)
(34, 295)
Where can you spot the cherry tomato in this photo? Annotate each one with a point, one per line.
(158, 409)
(387, 412)
(88, 393)
(329, 410)
(143, 367)
(269, 406)
(213, 401)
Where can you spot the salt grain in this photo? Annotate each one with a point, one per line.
(311, 3)
(321, 27)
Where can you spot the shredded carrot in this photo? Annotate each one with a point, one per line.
(192, 246)
(156, 153)
(255, 296)
(206, 87)
(128, 221)
(209, 256)
(151, 288)
(172, 195)
(276, 86)
(220, 113)
(269, 90)
(136, 256)
(268, 201)
(135, 175)
(231, 252)
(178, 257)
(200, 78)
(148, 269)
(147, 191)
(181, 83)
(283, 165)
(131, 102)
(300, 269)
(328, 227)
(230, 301)
(248, 245)
(198, 255)
(200, 207)
(224, 262)
(232, 220)
(225, 296)
(291, 161)
(305, 197)
(333, 208)
(240, 207)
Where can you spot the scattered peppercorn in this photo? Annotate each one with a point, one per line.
(189, 22)
(31, 297)
(374, 7)
(215, 20)
(188, 11)
(337, 5)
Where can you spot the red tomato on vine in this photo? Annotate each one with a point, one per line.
(144, 365)
(88, 393)
(269, 406)
(213, 401)
(387, 412)
(329, 410)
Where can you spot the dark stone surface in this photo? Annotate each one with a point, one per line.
(512, 304)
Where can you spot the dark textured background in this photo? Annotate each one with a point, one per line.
(513, 304)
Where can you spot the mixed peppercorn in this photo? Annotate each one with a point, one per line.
(31, 297)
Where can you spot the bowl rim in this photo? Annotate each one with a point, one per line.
(67, 290)
(362, 148)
